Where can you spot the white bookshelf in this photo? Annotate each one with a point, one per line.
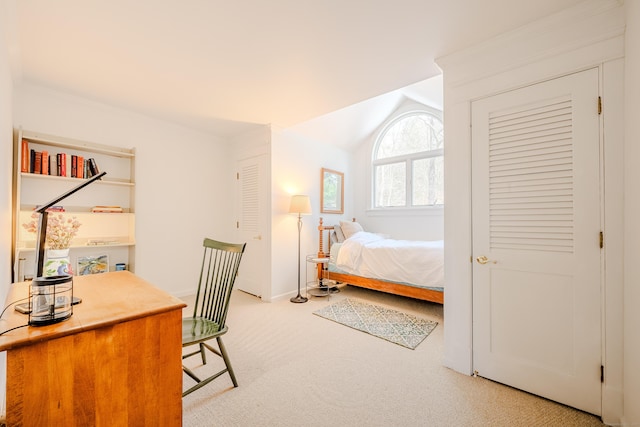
(111, 234)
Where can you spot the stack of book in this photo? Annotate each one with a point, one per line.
(107, 209)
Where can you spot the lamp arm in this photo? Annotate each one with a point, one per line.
(43, 219)
(40, 241)
(70, 192)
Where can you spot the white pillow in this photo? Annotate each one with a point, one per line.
(349, 228)
(339, 234)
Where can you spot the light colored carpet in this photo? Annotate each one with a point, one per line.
(297, 369)
(391, 325)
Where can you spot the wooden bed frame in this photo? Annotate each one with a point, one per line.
(364, 282)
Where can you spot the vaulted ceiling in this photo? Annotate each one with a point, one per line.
(221, 66)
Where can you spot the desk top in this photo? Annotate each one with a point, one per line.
(107, 299)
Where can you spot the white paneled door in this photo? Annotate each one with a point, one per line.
(536, 239)
(251, 224)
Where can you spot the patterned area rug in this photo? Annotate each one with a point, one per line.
(400, 328)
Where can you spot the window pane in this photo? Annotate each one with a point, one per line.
(412, 134)
(391, 185)
(428, 185)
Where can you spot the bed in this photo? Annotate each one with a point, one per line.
(409, 268)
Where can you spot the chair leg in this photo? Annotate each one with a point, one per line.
(227, 362)
(202, 353)
(222, 353)
(191, 374)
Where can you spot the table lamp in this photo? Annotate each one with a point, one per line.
(51, 298)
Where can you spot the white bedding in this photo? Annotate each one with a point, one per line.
(419, 263)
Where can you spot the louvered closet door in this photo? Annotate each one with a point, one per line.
(536, 219)
(251, 224)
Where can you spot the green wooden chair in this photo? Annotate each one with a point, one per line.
(219, 270)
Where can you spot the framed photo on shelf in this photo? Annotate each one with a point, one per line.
(92, 265)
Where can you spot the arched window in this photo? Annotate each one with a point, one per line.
(408, 162)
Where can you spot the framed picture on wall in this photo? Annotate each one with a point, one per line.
(331, 191)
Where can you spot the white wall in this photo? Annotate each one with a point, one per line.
(183, 178)
(295, 167)
(632, 217)
(6, 155)
(6, 151)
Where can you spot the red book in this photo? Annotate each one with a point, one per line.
(74, 165)
(45, 163)
(24, 158)
(80, 167)
(37, 164)
(63, 164)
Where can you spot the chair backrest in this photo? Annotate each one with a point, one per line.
(220, 265)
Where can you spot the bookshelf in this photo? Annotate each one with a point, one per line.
(101, 233)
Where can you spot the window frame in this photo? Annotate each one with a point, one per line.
(407, 159)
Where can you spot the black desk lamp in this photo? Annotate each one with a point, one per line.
(51, 298)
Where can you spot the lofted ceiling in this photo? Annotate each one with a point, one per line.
(224, 66)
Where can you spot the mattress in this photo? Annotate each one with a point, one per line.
(409, 262)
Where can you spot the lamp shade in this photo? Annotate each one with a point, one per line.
(300, 205)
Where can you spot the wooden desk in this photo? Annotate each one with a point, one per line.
(117, 361)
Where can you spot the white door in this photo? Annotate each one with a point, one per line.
(252, 194)
(536, 240)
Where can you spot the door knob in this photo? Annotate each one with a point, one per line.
(484, 260)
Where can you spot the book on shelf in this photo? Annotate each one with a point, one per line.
(59, 164)
(63, 164)
(91, 168)
(25, 160)
(74, 165)
(107, 209)
(44, 165)
(102, 242)
(37, 162)
(55, 208)
(79, 167)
